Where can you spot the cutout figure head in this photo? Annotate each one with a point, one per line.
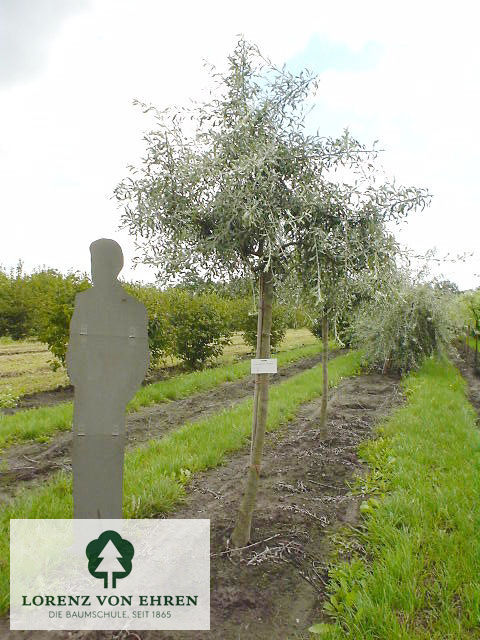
(107, 262)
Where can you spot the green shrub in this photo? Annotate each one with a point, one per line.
(340, 328)
(399, 329)
(39, 305)
(237, 309)
(56, 312)
(55, 302)
(194, 328)
(160, 334)
(201, 327)
(279, 327)
(15, 310)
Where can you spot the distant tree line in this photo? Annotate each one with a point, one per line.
(192, 321)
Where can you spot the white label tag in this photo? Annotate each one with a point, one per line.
(264, 365)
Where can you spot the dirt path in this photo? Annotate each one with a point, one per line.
(30, 463)
(274, 590)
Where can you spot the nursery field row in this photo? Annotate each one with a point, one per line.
(10, 347)
(25, 365)
(156, 474)
(420, 532)
(30, 463)
(40, 424)
(471, 343)
(25, 369)
(408, 580)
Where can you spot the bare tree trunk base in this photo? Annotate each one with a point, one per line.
(242, 531)
(323, 410)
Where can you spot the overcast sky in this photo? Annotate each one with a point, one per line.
(406, 73)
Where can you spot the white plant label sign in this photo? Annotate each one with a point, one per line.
(264, 365)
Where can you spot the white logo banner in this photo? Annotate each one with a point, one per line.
(110, 574)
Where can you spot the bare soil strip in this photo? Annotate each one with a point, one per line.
(64, 393)
(274, 589)
(466, 368)
(28, 464)
(40, 398)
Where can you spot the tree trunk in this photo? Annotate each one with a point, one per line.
(323, 410)
(241, 533)
(476, 351)
(261, 294)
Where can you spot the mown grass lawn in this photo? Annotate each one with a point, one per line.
(419, 578)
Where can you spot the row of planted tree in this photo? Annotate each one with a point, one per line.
(397, 325)
(244, 185)
(237, 188)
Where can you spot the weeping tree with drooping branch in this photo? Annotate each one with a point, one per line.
(235, 187)
(359, 255)
(471, 312)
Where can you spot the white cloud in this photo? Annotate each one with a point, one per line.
(70, 130)
(25, 29)
(422, 101)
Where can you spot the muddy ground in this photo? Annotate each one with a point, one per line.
(274, 589)
(30, 463)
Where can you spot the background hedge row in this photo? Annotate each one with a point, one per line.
(192, 326)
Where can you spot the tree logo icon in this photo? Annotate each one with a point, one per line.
(110, 555)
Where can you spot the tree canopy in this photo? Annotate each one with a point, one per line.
(236, 185)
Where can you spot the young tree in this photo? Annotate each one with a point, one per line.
(248, 192)
(472, 303)
(405, 323)
(359, 264)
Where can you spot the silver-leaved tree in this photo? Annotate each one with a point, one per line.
(235, 186)
(361, 256)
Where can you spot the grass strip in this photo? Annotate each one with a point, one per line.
(156, 473)
(40, 424)
(471, 343)
(421, 536)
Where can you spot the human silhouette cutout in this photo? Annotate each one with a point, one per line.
(107, 359)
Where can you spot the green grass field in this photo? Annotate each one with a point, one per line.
(25, 368)
(25, 365)
(420, 576)
(157, 472)
(471, 343)
(40, 424)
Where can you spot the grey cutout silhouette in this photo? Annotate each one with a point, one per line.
(107, 358)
